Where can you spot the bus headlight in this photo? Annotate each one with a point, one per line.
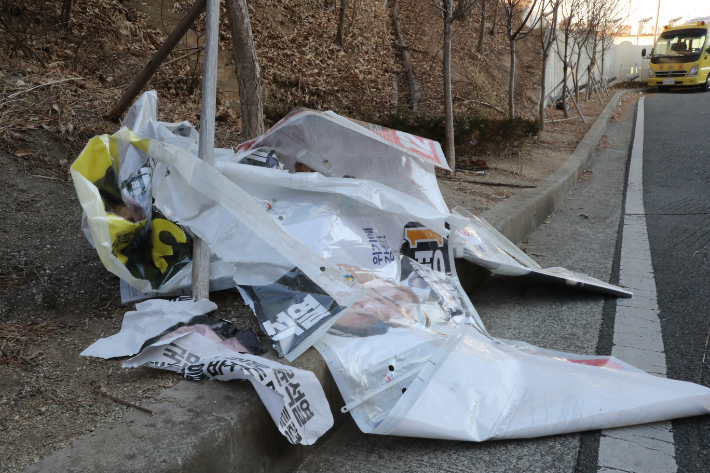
(693, 72)
(651, 73)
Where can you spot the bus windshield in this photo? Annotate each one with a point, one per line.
(680, 43)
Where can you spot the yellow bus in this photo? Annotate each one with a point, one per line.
(681, 56)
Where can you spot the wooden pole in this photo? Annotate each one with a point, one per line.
(594, 83)
(576, 106)
(165, 49)
(604, 87)
(200, 250)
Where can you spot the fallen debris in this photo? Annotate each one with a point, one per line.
(158, 320)
(16, 339)
(294, 397)
(483, 245)
(355, 259)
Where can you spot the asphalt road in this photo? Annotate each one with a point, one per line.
(677, 202)
(585, 235)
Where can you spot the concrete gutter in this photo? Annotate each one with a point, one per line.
(211, 426)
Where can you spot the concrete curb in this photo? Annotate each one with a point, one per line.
(519, 216)
(224, 426)
(206, 426)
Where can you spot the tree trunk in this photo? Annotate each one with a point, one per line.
(589, 82)
(341, 23)
(247, 68)
(511, 82)
(603, 52)
(545, 55)
(482, 27)
(576, 76)
(564, 78)
(414, 91)
(448, 98)
(495, 18)
(66, 13)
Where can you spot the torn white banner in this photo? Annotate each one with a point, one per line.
(484, 246)
(294, 397)
(159, 319)
(209, 182)
(477, 388)
(336, 146)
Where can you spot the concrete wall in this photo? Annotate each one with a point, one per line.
(555, 69)
(622, 59)
(628, 56)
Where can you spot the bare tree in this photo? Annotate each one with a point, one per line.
(247, 68)
(548, 37)
(515, 31)
(589, 31)
(482, 26)
(341, 23)
(568, 12)
(414, 91)
(580, 37)
(495, 19)
(450, 10)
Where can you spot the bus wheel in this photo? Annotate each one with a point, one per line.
(706, 86)
(664, 88)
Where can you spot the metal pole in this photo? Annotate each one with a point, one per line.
(200, 251)
(655, 30)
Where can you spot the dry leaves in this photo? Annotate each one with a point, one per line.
(16, 340)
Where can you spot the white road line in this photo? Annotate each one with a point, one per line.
(637, 334)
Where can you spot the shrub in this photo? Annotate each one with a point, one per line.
(490, 134)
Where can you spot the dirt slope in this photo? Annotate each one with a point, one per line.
(476, 76)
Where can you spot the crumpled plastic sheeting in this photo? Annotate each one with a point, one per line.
(334, 217)
(407, 349)
(156, 320)
(478, 388)
(178, 336)
(113, 179)
(391, 332)
(276, 251)
(483, 245)
(381, 349)
(294, 397)
(338, 147)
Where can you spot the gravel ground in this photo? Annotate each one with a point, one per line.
(57, 298)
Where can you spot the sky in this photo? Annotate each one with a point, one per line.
(642, 9)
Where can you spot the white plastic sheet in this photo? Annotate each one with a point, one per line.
(113, 179)
(294, 397)
(338, 147)
(389, 334)
(477, 388)
(359, 257)
(483, 245)
(156, 320)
